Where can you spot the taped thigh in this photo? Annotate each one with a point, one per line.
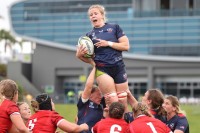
(122, 95)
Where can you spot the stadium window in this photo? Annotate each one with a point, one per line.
(186, 92)
(165, 4)
(191, 4)
(188, 84)
(195, 84)
(197, 92)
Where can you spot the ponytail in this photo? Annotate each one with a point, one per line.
(141, 109)
(35, 105)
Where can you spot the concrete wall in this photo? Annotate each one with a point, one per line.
(15, 72)
(52, 65)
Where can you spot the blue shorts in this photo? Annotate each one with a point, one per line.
(118, 72)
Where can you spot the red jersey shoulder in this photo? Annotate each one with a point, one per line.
(47, 114)
(181, 115)
(10, 107)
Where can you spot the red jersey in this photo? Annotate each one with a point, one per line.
(111, 125)
(7, 108)
(145, 124)
(44, 121)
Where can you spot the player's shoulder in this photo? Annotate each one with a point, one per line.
(9, 105)
(181, 115)
(112, 25)
(89, 33)
(182, 119)
(8, 102)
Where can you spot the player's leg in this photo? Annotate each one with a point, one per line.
(122, 94)
(121, 84)
(107, 86)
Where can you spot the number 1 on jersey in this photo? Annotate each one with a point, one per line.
(152, 127)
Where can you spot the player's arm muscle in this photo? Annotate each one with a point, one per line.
(122, 45)
(72, 127)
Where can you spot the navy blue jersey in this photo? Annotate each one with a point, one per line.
(128, 117)
(178, 122)
(157, 116)
(106, 56)
(90, 113)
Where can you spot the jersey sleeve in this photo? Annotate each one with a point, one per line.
(182, 124)
(56, 117)
(119, 31)
(12, 109)
(80, 103)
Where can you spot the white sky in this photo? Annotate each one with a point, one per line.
(4, 22)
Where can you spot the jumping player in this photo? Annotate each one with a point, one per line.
(110, 41)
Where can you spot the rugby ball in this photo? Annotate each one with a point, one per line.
(88, 44)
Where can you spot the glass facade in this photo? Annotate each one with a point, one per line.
(160, 32)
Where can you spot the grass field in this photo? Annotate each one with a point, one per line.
(69, 111)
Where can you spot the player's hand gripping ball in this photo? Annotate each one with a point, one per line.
(88, 44)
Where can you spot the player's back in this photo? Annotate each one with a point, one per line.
(145, 124)
(111, 125)
(7, 108)
(44, 121)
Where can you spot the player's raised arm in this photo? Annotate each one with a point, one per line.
(131, 99)
(89, 84)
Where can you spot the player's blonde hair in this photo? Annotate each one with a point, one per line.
(141, 109)
(20, 103)
(175, 103)
(35, 105)
(101, 9)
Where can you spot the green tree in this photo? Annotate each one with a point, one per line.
(9, 39)
(21, 92)
(3, 70)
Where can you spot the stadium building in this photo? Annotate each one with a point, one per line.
(164, 37)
